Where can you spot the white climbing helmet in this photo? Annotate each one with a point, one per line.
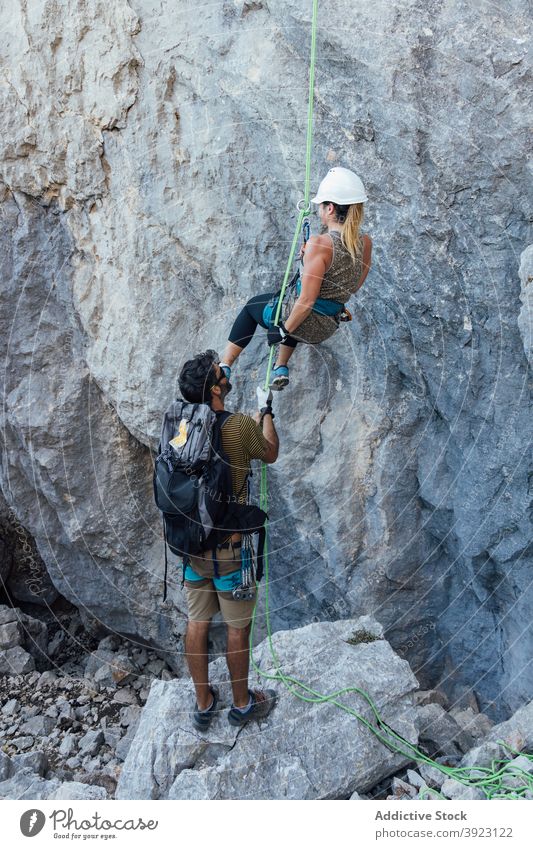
(342, 186)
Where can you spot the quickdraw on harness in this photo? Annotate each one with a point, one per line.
(492, 781)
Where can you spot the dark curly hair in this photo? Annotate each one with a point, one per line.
(197, 377)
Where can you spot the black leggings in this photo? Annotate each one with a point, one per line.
(249, 317)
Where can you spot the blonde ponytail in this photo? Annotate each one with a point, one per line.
(350, 230)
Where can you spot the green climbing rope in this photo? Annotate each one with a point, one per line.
(491, 780)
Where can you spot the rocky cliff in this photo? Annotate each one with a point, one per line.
(152, 157)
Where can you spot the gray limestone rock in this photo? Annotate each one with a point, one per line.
(118, 671)
(129, 715)
(68, 745)
(56, 643)
(475, 724)
(98, 659)
(10, 635)
(426, 697)
(439, 731)
(38, 726)
(24, 631)
(91, 742)
(415, 779)
(521, 763)
(515, 734)
(123, 745)
(525, 316)
(109, 643)
(112, 735)
(101, 780)
(77, 790)
(47, 677)
(431, 775)
(24, 742)
(125, 696)
(26, 784)
(36, 761)
(302, 751)
(15, 660)
(453, 789)
(6, 766)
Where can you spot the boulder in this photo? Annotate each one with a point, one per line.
(36, 761)
(6, 766)
(477, 725)
(525, 316)
(11, 707)
(24, 631)
(440, 733)
(453, 789)
(302, 750)
(39, 726)
(26, 784)
(10, 635)
(91, 742)
(16, 661)
(501, 743)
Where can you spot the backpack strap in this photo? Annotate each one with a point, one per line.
(261, 540)
(222, 417)
(166, 561)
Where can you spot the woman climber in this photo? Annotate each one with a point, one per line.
(336, 265)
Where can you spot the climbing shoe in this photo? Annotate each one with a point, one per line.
(201, 719)
(279, 377)
(226, 369)
(261, 703)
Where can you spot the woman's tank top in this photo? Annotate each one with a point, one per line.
(338, 284)
(340, 280)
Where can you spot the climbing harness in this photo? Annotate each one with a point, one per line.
(492, 781)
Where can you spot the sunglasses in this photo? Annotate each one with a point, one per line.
(217, 381)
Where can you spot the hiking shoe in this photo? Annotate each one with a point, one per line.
(201, 719)
(279, 377)
(259, 709)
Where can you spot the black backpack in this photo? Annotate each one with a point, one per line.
(193, 485)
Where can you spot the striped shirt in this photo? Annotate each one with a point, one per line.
(242, 441)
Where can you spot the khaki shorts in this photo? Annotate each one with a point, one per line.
(208, 595)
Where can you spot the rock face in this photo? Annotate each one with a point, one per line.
(148, 188)
(525, 318)
(301, 751)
